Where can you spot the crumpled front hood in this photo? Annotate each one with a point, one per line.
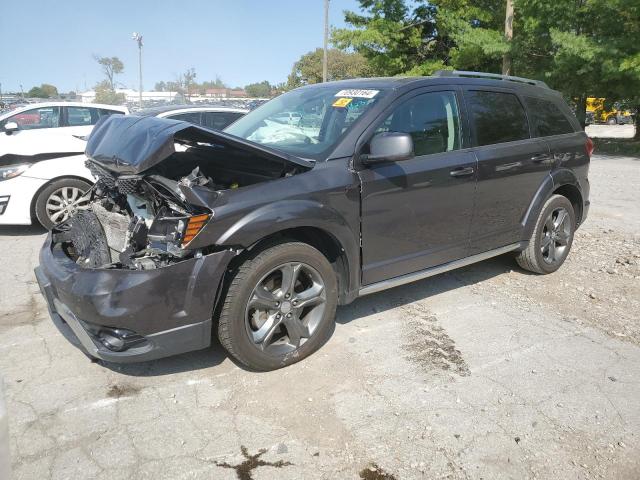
(128, 144)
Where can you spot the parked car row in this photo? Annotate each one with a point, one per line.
(43, 176)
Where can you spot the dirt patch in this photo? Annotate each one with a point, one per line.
(427, 343)
(374, 472)
(598, 285)
(24, 315)
(117, 391)
(244, 469)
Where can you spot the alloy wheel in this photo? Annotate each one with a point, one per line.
(556, 235)
(285, 308)
(63, 202)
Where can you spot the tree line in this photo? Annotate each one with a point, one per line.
(583, 48)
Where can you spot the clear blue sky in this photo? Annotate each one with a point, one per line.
(242, 41)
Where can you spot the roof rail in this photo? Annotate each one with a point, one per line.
(494, 76)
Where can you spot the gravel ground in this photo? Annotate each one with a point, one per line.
(485, 372)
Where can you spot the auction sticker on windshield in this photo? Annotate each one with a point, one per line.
(357, 93)
(342, 102)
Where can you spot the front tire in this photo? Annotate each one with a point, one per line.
(552, 237)
(279, 307)
(59, 200)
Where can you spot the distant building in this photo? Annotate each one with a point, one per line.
(216, 92)
(131, 96)
(225, 93)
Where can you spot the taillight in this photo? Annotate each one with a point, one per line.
(194, 225)
(589, 146)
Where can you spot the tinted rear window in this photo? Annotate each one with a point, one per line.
(497, 117)
(219, 120)
(547, 118)
(191, 117)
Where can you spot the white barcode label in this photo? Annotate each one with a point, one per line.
(354, 93)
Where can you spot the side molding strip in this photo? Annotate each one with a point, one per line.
(429, 272)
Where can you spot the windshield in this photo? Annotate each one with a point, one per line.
(306, 122)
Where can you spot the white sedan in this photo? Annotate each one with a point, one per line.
(42, 172)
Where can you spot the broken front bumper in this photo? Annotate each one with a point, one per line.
(165, 311)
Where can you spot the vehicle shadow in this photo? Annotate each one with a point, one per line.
(187, 362)
(362, 307)
(428, 287)
(21, 230)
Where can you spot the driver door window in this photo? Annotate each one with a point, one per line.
(36, 118)
(432, 120)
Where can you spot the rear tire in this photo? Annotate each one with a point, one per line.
(58, 200)
(552, 237)
(279, 306)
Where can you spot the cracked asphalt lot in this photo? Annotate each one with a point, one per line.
(485, 372)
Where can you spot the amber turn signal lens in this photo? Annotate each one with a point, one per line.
(194, 225)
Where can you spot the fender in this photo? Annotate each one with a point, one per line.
(555, 179)
(295, 213)
(49, 169)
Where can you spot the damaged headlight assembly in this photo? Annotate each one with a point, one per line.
(132, 222)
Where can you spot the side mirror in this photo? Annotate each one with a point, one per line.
(389, 147)
(11, 127)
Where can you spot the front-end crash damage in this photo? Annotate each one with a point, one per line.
(122, 278)
(157, 184)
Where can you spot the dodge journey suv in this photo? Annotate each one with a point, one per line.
(257, 233)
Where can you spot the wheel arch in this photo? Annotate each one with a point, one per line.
(561, 182)
(573, 194)
(34, 199)
(322, 240)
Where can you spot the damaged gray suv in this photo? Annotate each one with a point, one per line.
(322, 195)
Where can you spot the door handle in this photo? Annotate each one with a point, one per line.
(540, 157)
(462, 172)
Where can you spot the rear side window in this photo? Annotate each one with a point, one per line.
(79, 116)
(191, 117)
(497, 117)
(219, 120)
(547, 118)
(104, 111)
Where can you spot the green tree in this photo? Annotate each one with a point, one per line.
(111, 66)
(582, 48)
(340, 65)
(45, 90)
(106, 94)
(160, 86)
(429, 36)
(188, 78)
(259, 90)
(391, 36)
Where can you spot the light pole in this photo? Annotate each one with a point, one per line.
(138, 38)
(326, 40)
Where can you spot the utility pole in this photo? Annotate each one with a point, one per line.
(508, 34)
(326, 41)
(138, 38)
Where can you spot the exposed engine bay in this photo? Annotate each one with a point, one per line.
(147, 205)
(135, 222)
